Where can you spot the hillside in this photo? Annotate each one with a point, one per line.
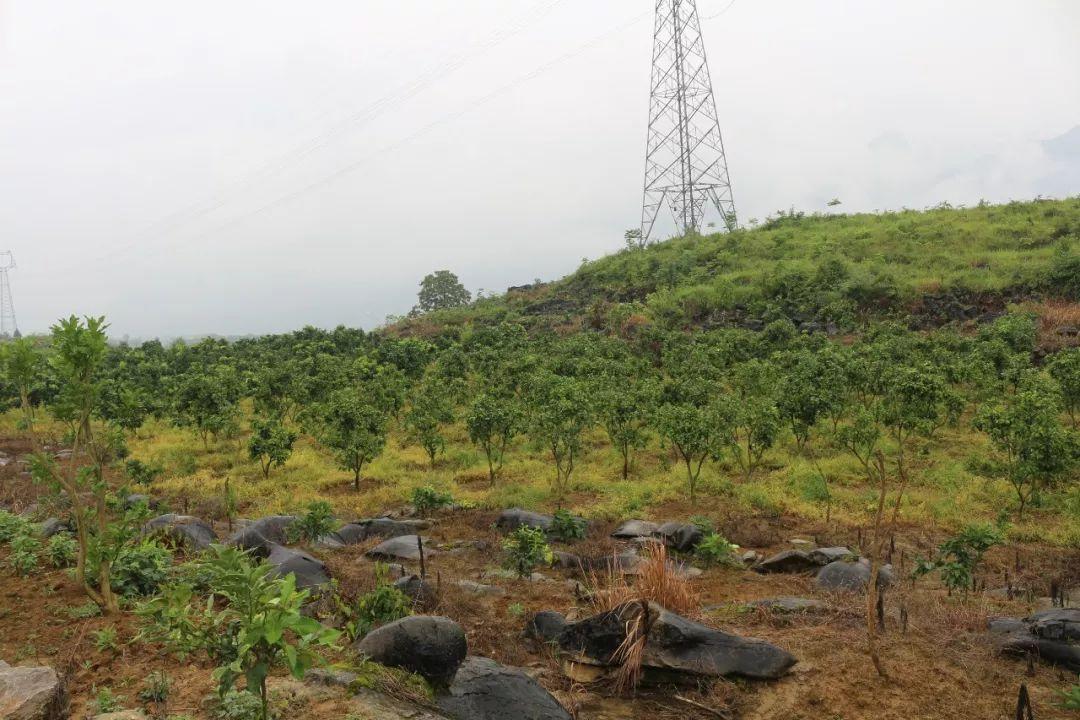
(928, 267)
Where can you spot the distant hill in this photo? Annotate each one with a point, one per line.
(1065, 146)
(829, 271)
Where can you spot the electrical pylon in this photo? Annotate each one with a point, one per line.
(8, 326)
(685, 165)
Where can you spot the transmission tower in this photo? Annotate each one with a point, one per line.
(8, 327)
(685, 166)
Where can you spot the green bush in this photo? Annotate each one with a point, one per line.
(61, 550)
(317, 522)
(566, 527)
(24, 554)
(236, 705)
(525, 549)
(427, 499)
(155, 687)
(1070, 699)
(12, 526)
(714, 549)
(142, 473)
(382, 605)
(106, 701)
(139, 570)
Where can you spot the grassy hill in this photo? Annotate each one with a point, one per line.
(936, 266)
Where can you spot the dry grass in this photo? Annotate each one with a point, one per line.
(658, 581)
(1054, 315)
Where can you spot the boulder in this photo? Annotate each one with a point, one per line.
(1052, 636)
(259, 536)
(361, 530)
(1057, 624)
(402, 547)
(851, 576)
(182, 529)
(422, 592)
(824, 556)
(485, 690)
(510, 520)
(55, 526)
(310, 572)
(431, 646)
(683, 537)
(635, 529)
(545, 626)
(673, 644)
(788, 561)
(31, 693)
(788, 605)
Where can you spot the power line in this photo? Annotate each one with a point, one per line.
(398, 144)
(292, 157)
(716, 15)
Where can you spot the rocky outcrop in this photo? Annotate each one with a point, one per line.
(259, 536)
(31, 693)
(310, 572)
(1052, 636)
(788, 561)
(430, 646)
(545, 626)
(673, 644)
(361, 530)
(191, 532)
(485, 690)
(510, 520)
(403, 547)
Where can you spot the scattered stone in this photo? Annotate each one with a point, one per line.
(788, 605)
(309, 572)
(402, 547)
(545, 626)
(259, 536)
(479, 588)
(431, 646)
(851, 576)
(674, 643)
(683, 537)
(750, 557)
(510, 520)
(182, 529)
(632, 529)
(422, 592)
(485, 690)
(31, 693)
(788, 561)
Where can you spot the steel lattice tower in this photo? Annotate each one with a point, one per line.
(8, 326)
(685, 165)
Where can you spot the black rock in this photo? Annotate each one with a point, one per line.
(683, 537)
(824, 556)
(1054, 652)
(55, 526)
(545, 626)
(259, 536)
(635, 529)
(510, 520)
(674, 644)
(428, 645)
(851, 576)
(361, 530)
(788, 561)
(1058, 624)
(403, 547)
(309, 572)
(182, 529)
(421, 592)
(485, 690)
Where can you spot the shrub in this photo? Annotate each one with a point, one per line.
(1070, 699)
(139, 570)
(24, 554)
(61, 550)
(105, 639)
(156, 687)
(427, 499)
(317, 522)
(236, 705)
(526, 548)
(566, 527)
(714, 549)
(106, 701)
(12, 526)
(959, 556)
(142, 473)
(382, 605)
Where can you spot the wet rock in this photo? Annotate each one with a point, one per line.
(31, 693)
(788, 561)
(510, 520)
(259, 536)
(683, 537)
(843, 575)
(485, 690)
(310, 573)
(431, 646)
(422, 592)
(545, 626)
(788, 605)
(182, 529)
(403, 547)
(674, 643)
(635, 529)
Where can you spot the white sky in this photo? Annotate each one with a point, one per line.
(252, 166)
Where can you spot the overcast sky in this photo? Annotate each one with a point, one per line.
(254, 166)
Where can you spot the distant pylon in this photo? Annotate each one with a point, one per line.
(8, 326)
(685, 165)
